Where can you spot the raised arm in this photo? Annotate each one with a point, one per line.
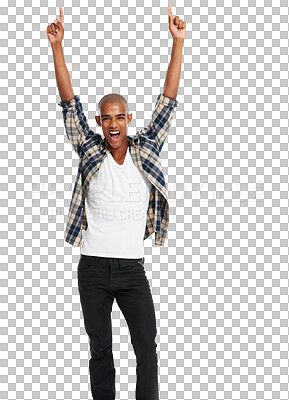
(178, 31)
(75, 122)
(55, 33)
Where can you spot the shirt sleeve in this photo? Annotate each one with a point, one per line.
(163, 114)
(75, 122)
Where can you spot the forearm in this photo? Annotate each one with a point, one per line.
(62, 75)
(174, 70)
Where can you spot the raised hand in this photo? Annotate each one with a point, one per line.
(55, 31)
(177, 26)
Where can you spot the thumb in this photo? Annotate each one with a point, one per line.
(58, 23)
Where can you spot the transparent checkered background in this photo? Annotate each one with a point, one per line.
(220, 284)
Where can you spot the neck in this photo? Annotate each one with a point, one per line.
(119, 154)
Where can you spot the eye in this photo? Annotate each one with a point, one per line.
(107, 118)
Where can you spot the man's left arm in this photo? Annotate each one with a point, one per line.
(178, 31)
(164, 110)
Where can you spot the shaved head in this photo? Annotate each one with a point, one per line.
(112, 98)
(113, 116)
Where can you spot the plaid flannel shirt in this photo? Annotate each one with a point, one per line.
(144, 148)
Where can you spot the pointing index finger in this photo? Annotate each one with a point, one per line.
(170, 11)
(61, 16)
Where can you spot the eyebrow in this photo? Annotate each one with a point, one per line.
(105, 115)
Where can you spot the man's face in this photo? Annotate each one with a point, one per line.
(113, 118)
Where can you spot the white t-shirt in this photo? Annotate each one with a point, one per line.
(116, 210)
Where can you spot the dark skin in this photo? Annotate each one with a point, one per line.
(110, 120)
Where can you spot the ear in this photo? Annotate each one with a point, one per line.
(98, 120)
(129, 118)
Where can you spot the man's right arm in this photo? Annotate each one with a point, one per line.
(75, 122)
(76, 126)
(61, 72)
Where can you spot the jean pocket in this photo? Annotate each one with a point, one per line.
(140, 261)
(127, 263)
(85, 262)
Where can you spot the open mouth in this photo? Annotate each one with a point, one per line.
(114, 135)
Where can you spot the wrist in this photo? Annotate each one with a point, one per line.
(178, 41)
(56, 45)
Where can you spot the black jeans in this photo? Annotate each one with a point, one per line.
(100, 280)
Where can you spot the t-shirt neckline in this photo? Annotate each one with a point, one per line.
(125, 160)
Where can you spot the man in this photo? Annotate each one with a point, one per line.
(119, 199)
